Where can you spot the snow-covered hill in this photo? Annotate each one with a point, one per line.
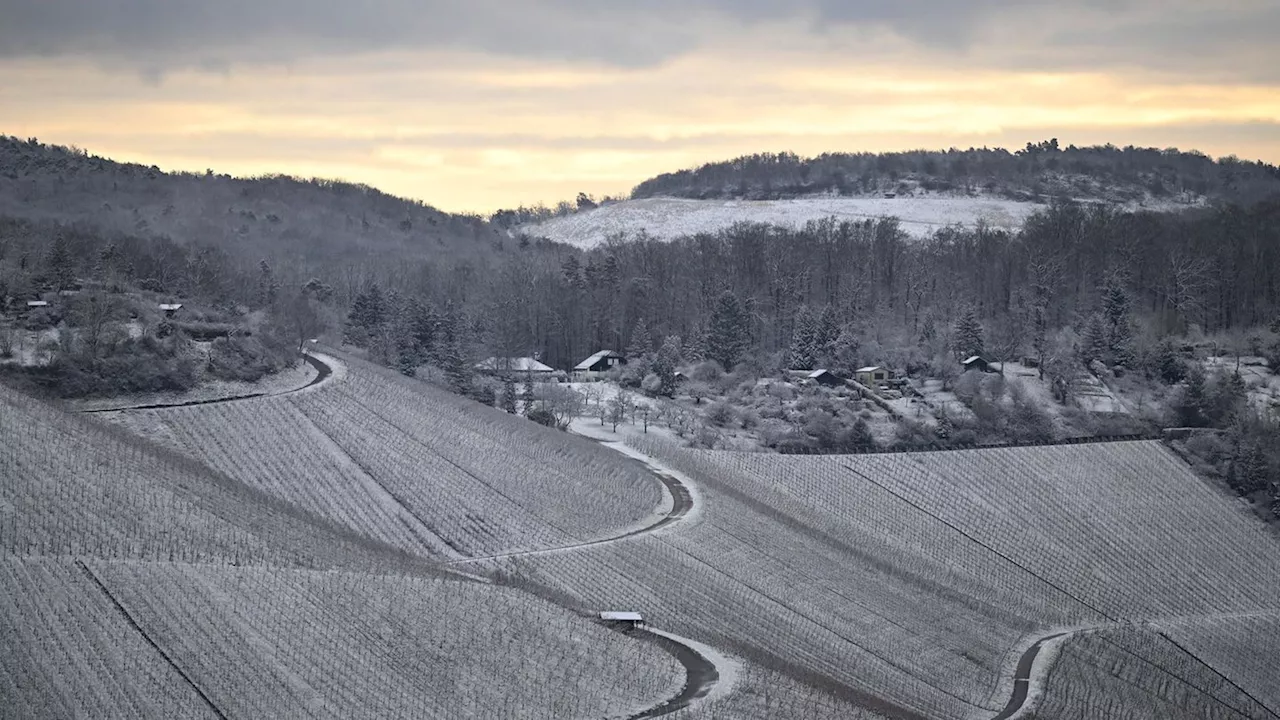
(668, 218)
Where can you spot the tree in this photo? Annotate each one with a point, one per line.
(968, 334)
(1190, 404)
(664, 366)
(508, 401)
(1094, 343)
(62, 264)
(727, 339)
(303, 315)
(641, 344)
(1119, 327)
(268, 286)
(1169, 366)
(805, 340)
(94, 315)
(564, 404)
(618, 407)
(528, 396)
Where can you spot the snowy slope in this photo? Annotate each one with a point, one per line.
(669, 218)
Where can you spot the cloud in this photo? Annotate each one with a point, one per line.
(1228, 37)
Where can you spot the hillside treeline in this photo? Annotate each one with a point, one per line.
(1039, 171)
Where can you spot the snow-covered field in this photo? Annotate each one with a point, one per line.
(669, 218)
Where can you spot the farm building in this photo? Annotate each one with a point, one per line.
(826, 378)
(629, 619)
(873, 376)
(496, 365)
(170, 308)
(976, 363)
(601, 362)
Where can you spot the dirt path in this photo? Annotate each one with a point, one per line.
(701, 674)
(323, 372)
(1022, 678)
(682, 504)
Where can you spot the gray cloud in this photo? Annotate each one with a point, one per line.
(1232, 38)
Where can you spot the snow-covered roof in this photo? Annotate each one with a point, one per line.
(522, 364)
(170, 306)
(817, 373)
(972, 359)
(586, 364)
(620, 615)
(37, 303)
(872, 368)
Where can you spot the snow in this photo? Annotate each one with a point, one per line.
(726, 666)
(669, 218)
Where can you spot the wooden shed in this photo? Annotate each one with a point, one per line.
(976, 363)
(873, 376)
(826, 378)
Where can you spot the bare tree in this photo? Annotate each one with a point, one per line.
(564, 403)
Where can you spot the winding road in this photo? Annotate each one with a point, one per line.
(323, 372)
(701, 673)
(1022, 678)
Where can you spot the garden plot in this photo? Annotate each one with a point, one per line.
(171, 640)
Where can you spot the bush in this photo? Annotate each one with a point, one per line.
(721, 414)
(133, 366)
(43, 319)
(542, 417)
(246, 358)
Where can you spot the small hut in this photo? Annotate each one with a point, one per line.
(976, 362)
(826, 378)
(170, 309)
(599, 363)
(873, 376)
(626, 619)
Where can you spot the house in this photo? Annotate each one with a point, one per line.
(976, 363)
(626, 619)
(601, 362)
(825, 378)
(680, 377)
(873, 376)
(170, 308)
(37, 304)
(502, 366)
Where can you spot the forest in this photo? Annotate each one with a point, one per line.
(1041, 171)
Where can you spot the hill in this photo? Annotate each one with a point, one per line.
(1036, 173)
(299, 221)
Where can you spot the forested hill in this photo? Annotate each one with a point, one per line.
(302, 223)
(1038, 172)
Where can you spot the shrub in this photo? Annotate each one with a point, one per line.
(132, 366)
(721, 414)
(246, 358)
(542, 417)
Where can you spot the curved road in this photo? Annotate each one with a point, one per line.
(323, 371)
(701, 675)
(1022, 678)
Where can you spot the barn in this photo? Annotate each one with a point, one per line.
(601, 362)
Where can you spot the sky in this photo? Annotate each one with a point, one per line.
(475, 105)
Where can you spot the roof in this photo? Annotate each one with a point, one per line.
(619, 615)
(586, 364)
(973, 359)
(522, 364)
(170, 306)
(872, 368)
(819, 373)
(37, 303)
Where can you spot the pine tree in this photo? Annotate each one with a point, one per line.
(641, 344)
(968, 334)
(1093, 343)
(664, 366)
(1119, 337)
(804, 340)
(727, 339)
(1169, 366)
(62, 264)
(528, 396)
(695, 347)
(509, 394)
(268, 286)
(1190, 405)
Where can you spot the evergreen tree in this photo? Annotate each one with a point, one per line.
(268, 286)
(664, 366)
(1094, 343)
(1190, 404)
(62, 264)
(1226, 399)
(805, 340)
(641, 344)
(695, 347)
(968, 334)
(1119, 327)
(509, 394)
(1168, 365)
(727, 339)
(528, 396)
